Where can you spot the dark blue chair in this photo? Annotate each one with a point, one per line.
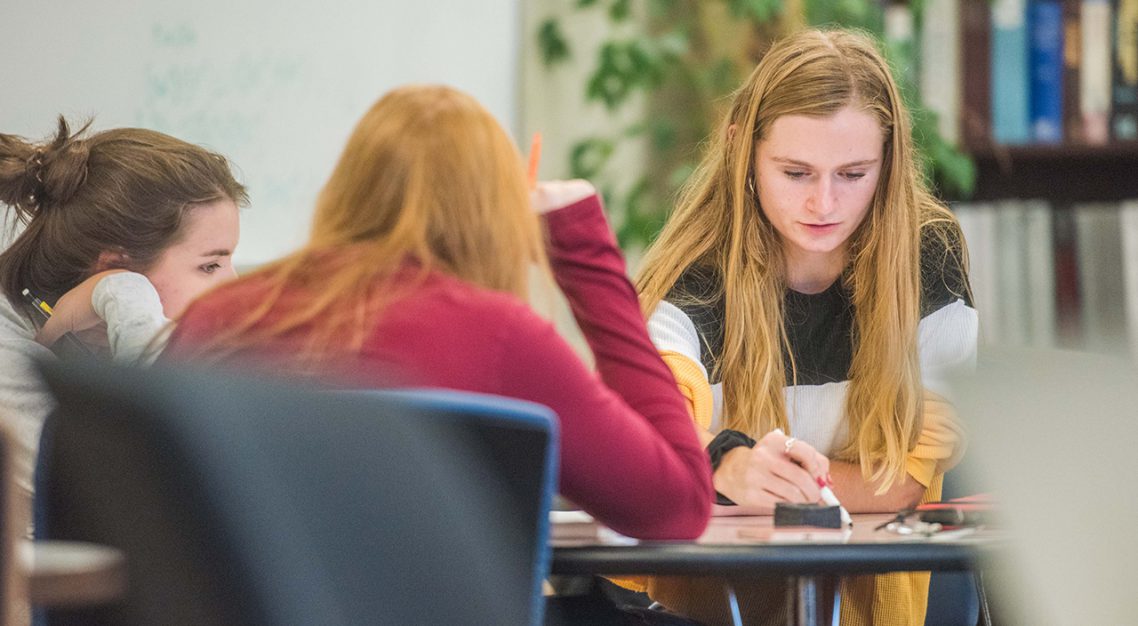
(242, 501)
(12, 530)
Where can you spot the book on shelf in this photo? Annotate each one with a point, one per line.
(1011, 106)
(1100, 270)
(978, 223)
(1015, 301)
(1039, 263)
(1068, 291)
(1094, 73)
(940, 62)
(975, 62)
(1072, 59)
(1032, 71)
(1011, 270)
(1045, 18)
(1124, 72)
(1128, 218)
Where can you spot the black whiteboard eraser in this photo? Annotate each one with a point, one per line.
(817, 515)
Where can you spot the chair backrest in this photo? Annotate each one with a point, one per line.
(251, 502)
(13, 526)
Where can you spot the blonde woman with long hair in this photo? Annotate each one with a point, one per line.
(808, 283)
(416, 272)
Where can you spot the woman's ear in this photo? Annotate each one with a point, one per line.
(112, 260)
(730, 133)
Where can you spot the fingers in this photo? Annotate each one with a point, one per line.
(773, 472)
(804, 486)
(556, 194)
(809, 459)
(815, 463)
(769, 493)
(761, 477)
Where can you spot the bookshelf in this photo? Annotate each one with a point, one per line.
(1033, 72)
(1060, 173)
(1045, 100)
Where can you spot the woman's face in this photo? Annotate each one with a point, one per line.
(815, 178)
(200, 260)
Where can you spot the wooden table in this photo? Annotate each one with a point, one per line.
(70, 573)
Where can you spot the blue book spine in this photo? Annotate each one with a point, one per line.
(1011, 106)
(1046, 20)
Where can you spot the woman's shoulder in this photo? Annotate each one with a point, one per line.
(697, 292)
(944, 274)
(472, 302)
(17, 339)
(132, 290)
(12, 322)
(697, 295)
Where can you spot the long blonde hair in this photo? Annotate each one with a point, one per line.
(428, 180)
(717, 225)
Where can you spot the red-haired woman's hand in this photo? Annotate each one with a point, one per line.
(772, 472)
(74, 313)
(551, 195)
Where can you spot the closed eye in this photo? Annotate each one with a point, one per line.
(796, 174)
(853, 175)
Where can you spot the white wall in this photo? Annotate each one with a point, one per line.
(274, 86)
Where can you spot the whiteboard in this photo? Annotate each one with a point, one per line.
(276, 87)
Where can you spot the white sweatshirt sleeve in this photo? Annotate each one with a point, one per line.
(130, 306)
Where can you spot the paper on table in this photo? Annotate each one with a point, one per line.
(581, 525)
(570, 517)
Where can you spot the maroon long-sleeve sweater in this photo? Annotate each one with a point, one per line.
(629, 455)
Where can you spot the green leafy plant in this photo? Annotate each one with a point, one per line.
(688, 58)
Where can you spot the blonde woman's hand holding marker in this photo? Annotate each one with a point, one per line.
(772, 472)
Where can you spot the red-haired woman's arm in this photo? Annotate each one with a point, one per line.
(630, 455)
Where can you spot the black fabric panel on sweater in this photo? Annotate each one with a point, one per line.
(819, 326)
(943, 279)
(694, 294)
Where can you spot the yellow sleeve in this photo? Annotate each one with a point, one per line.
(940, 444)
(693, 384)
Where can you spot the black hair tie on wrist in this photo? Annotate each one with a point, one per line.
(723, 442)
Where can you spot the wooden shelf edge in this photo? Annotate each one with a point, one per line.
(1062, 174)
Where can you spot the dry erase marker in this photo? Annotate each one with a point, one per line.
(828, 496)
(534, 159)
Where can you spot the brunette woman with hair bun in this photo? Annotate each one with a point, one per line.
(122, 229)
